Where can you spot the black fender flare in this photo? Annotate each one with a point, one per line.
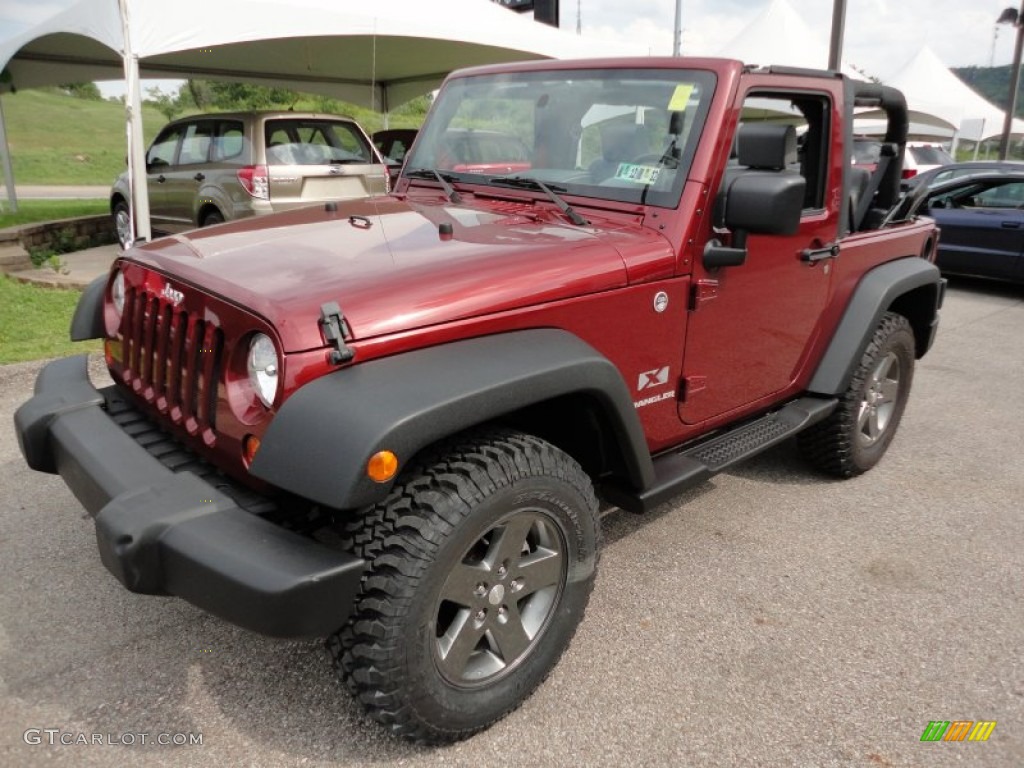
(877, 291)
(321, 439)
(87, 322)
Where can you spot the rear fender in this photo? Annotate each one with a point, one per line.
(910, 286)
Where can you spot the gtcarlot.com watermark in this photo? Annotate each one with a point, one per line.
(56, 737)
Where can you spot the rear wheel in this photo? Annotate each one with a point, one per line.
(855, 437)
(212, 217)
(481, 562)
(123, 223)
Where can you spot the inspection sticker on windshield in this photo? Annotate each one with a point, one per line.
(641, 174)
(680, 97)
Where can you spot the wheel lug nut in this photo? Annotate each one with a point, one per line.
(502, 571)
(516, 584)
(503, 614)
(481, 614)
(481, 589)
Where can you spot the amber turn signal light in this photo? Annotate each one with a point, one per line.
(250, 446)
(382, 466)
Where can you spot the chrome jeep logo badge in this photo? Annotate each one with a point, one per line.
(173, 296)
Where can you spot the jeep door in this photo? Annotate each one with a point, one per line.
(751, 326)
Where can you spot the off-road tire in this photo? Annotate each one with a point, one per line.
(854, 438)
(448, 516)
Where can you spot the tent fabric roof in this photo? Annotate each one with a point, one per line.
(933, 90)
(779, 35)
(400, 46)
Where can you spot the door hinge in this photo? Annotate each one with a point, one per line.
(691, 386)
(702, 291)
(335, 329)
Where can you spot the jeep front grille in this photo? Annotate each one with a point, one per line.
(173, 360)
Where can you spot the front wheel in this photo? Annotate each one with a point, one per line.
(481, 562)
(855, 437)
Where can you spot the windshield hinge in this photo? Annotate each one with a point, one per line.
(335, 329)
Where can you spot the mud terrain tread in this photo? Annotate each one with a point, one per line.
(829, 445)
(398, 538)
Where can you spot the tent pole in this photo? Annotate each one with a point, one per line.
(677, 30)
(137, 154)
(137, 182)
(12, 194)
(835, 51)
(1018, 22)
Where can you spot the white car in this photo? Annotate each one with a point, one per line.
(923, 156)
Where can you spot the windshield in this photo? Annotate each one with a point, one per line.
(615, 134)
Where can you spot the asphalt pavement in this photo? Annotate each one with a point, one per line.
(770, 617)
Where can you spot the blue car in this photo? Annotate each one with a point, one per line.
(981, 219)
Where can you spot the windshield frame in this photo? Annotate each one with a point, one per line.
(659, 184)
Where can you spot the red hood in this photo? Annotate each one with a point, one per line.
(391, 270)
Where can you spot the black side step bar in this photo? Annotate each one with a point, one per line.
(675, 472)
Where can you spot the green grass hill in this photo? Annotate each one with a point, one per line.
(56, 138)
(59, 139)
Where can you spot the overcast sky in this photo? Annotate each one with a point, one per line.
(881, 35)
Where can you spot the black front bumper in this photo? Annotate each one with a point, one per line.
(166, 533)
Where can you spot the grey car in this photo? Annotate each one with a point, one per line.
(210, 168)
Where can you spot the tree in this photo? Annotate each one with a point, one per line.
(169, 106)
(198, 92)
(89, 91)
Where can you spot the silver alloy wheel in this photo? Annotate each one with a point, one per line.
(123, 224)
(879, 401)
(499, 598)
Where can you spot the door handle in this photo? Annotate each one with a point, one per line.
(1011, 225)
(812, 255)
(161, 179)
(199, 177)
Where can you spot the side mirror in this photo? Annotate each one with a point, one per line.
(760, 203)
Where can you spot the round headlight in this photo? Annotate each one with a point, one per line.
(263, 367)
(117, 292)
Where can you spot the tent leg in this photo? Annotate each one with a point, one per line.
(137, 183)
(137, 153)
(12, 194)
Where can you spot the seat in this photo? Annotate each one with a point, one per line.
(620, 143)
(766, 146)
(860, 180)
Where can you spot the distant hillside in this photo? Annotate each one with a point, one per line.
(991, 82)
(59, 139)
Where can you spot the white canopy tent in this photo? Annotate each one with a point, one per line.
(779, 35)
(941, 103)
(376, 54)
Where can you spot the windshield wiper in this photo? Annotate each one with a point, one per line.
(528, 183)
(443, 180)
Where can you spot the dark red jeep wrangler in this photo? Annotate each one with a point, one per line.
(390, 421)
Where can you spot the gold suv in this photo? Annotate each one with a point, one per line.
(210, 168)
